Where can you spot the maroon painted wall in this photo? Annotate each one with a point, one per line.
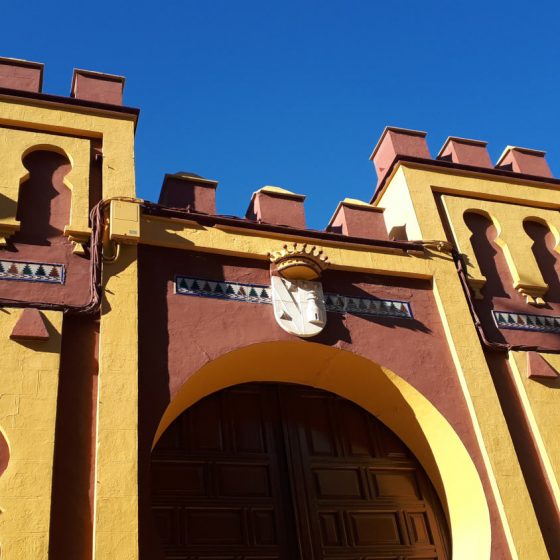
(74, 452)
(44, 209)
(180, 334)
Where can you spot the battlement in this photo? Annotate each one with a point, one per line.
(398, 144)
(356, 218)
(434, 308)
(26, 78)
(278, 206)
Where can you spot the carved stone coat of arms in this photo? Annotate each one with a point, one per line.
(297, 295)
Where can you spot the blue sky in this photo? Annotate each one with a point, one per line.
(296, 94)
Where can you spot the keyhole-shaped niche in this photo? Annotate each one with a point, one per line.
(44, 199)
(489, 257)
(546, 240)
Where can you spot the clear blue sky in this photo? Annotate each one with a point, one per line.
(296, 94)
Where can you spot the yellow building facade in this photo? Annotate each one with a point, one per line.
(180, 384)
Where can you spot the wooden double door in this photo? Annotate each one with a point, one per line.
(271, 471)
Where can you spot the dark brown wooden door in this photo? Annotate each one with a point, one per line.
(266, 472)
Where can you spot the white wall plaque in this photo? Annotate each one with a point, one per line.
(299, 306)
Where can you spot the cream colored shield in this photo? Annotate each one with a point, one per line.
(298, 306)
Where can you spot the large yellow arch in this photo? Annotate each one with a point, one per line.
(381, 392)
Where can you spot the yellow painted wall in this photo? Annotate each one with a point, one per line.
(115, 500)
(116, 490)
(399, 208)
(508, 203)
(509, 219)
(16, 144)
(541, 404)
(28, 395)
(423, 184)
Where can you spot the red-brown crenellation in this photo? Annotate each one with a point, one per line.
(98, 87)
(21, 75)
(189, 191)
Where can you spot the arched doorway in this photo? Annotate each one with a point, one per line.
(279, 471)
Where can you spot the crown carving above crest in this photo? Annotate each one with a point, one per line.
(299, 261)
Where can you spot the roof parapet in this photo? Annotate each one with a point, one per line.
(466, 152)
(97, 86)
(524, 160)
(356, 218)
(21, 75)
(274, 205)
(188, 190)
(395, 142)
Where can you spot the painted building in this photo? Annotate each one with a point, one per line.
(176, 384)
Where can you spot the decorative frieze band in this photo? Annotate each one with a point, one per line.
(368, 306)
(224, 290)
(32, 272)
(254, 293)
(527, 322)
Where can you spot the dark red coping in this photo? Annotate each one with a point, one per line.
(60, 100)
(359, 220)
(395, 142)
(496, 172)
(97, 86)
(189, 191)
(466, 151)
(150, 208)
(21, 75)
(281, 208)
(524, 160)
(30, 326)
(539, 368)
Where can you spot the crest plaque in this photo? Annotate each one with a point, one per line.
(299, 306)
(297, 293)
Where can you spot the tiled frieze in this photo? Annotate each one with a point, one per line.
(32, 272)
(254, 293)
(527, 322)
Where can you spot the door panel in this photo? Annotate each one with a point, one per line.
(264, 472)
(364, 492)
(217, 491)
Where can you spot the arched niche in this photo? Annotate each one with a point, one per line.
(484, 238)
(44, 197)
(546, 244)
(19, 144)
(382, 393)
